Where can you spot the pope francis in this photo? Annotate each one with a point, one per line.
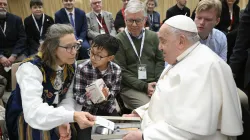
(196, 96)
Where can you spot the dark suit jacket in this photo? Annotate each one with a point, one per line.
(81, 26)
(33, 35)
(175, 10)
(225, 20)
(240, 59)
(14, 40)
(119, 20)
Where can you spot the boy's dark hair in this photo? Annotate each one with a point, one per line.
(107, 42)
(36, 2)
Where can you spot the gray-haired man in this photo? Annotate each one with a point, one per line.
(138, 51)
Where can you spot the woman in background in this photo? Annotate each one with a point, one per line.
(229, 19)
(153, 16)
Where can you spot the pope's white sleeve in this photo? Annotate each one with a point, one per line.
(37, 114)
(141, 110)
(164, 131)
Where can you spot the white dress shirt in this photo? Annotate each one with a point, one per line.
(196, 99)
(37, 114)
(73, 15)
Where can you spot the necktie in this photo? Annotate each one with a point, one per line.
(72, 20)
(99, 17)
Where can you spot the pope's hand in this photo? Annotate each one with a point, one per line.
(133, 135)
(105, 92)
(151, 88)
(134, 114)
(84, 119)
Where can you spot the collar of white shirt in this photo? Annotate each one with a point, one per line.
(58, 68)
(186, 52)
(73, 12)
(98, 13)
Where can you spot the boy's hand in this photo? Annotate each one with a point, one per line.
(105, 92)
(88, 95)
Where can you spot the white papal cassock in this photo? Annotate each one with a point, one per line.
(195, 99)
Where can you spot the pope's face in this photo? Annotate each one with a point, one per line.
(168, 44)
(205, 21)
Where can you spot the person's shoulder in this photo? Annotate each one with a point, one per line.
(79, 10)
(12, 16)
(186, 8)
(114, 65)
(206, 55)
(115, 68)
(172, 8)
(89, 13)
(83, 64)
(27, 19)
(121, 35)
(48, 17)
(60, 11)
(119, 12)
(107, 13)
(236, 8)
(150, 34)
(156, 13)
(219, 35)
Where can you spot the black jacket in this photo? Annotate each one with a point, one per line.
(33, 35)
(240, 60)
(14, 39)
(225, 20)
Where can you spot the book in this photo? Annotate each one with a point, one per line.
(96, 91)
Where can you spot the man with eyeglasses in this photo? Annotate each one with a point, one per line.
(12, 40)
(99, 21)
(77, 18)
(139, 57)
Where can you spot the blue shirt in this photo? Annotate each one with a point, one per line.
(217, 42)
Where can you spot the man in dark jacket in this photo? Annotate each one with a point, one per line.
(12, 39)
(36, 26)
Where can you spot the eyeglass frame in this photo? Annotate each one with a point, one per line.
(135, 21)
(71, 48)
(101, 57)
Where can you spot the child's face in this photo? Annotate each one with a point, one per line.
(100, 58)
(37, 10)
